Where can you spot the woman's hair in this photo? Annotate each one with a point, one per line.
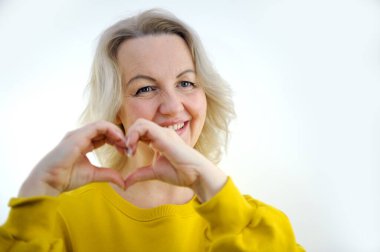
(105, 88)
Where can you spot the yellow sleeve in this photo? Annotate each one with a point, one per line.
(238, 223)
(30, 226)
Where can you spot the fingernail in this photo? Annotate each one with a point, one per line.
(126, 141)
(128, 151)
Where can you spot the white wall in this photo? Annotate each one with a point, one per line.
(306, 81)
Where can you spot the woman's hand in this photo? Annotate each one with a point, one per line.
(175, 162)
(66, 167)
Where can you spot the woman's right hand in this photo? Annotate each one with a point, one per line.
(66, 167)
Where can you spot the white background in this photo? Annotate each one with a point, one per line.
(306, 81)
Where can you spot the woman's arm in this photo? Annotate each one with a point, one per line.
(33, 217)
(241, 223)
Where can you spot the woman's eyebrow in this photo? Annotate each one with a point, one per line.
(184, 72)
(140, 76)
(146, 77)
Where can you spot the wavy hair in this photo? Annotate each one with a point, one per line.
(105, 87)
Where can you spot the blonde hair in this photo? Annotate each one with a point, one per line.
(105, 87)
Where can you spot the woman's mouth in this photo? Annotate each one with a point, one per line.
(179, 127)
(176, 126)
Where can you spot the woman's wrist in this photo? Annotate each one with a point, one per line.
(209, 183)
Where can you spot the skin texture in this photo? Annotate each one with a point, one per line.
(161, 91)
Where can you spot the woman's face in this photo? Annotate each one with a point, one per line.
(160, 85)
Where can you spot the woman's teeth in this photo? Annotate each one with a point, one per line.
(176, 126)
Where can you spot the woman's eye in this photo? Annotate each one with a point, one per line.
(186, 84)
(144, 90)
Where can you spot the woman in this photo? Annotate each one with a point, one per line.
(157, 115)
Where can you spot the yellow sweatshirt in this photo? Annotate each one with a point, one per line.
(95, 218)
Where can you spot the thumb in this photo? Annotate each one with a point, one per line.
(108, 175)
(142, 174)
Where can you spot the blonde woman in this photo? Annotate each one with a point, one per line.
(157, 116)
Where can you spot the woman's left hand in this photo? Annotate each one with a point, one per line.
(174, 162)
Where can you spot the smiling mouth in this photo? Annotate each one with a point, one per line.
(176, 126)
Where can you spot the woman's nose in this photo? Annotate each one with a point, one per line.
(171, 103)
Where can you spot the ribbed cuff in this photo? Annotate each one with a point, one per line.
(228, 212)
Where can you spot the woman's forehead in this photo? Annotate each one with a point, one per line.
(154, 55)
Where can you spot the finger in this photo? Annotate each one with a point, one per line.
(131, 142)
(108, 175)
(96, 143)
(103, 131)
(142, 174)
(95, 135)
(145, 131)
